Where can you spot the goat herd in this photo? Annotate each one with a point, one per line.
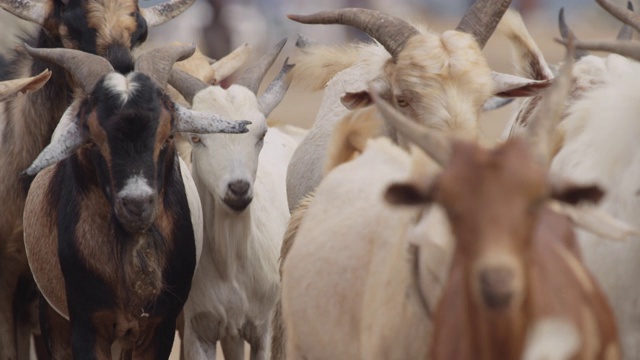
(140, 197)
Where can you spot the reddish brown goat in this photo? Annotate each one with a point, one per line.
(516, 265)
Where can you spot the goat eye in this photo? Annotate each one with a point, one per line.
(195, 139)
(402, 102)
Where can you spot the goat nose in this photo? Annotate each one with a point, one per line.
(497, 287)
(137, 205)
(239, 187)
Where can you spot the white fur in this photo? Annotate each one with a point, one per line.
(237, 279)
(121, 85)
(348, 289)
(136, 186)
(552, 339)
(195, 207)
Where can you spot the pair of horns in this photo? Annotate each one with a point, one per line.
(37, 12)
(540, 130)
(393, 33)
(87, 69)
(189, 86)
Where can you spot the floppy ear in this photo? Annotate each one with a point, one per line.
(356, 100)
(573, 194)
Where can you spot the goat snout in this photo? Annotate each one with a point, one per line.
(497, 287)
(239, 188)
(238, 195)
(136, 213)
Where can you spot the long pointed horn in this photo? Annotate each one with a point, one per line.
(33, 11)
(626, 32)
(86, 69)
(392, 32)
(566, 33)
(229, 64)
(482, 19)
(188, 86)
(434, 144)
(252, 77)
(161, 13)
(67, 138)
(157, 63)
(276, 90)
(549, 115)
(197, 122)
(625, 15)
(9, 88)
(626, 48)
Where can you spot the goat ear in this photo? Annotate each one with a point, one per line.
(9, 88)
(573, 194)
(505, 85)
(356, 100)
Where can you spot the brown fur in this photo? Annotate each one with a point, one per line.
(278, 332)
(114, 21)
(515, 262)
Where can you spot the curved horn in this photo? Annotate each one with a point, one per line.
(252, 77)
(482, 19)
(566, 32)
(188, 86)
(545, 121)
(33, 11)
(67, 138)
(276, 90)
(157, 63)
(86, 69)
(161, 13)
(197, 122)
(623, 47)
(625, 15)
(392, 32)
(433, 143)
(626, 32)
(10, 88)
(226, 66)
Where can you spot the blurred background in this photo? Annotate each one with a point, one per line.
(219, 26)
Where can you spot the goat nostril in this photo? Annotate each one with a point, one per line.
(239, 187)
(496, 287)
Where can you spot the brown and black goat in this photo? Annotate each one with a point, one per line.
(517, 287)
(114, 229)
(108, 28)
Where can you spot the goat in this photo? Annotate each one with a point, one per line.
(241, 181)
(109, 28)
(594, 143)
(439, 80)
(367, 268)
(113, 230)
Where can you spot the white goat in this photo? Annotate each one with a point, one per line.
(596, 141)
(440, 80)
(242, 188)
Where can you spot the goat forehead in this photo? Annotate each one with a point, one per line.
(507, 172)
(112, 15)
(236, 102)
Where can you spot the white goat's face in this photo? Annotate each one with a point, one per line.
(228, 164)
(441, 81)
